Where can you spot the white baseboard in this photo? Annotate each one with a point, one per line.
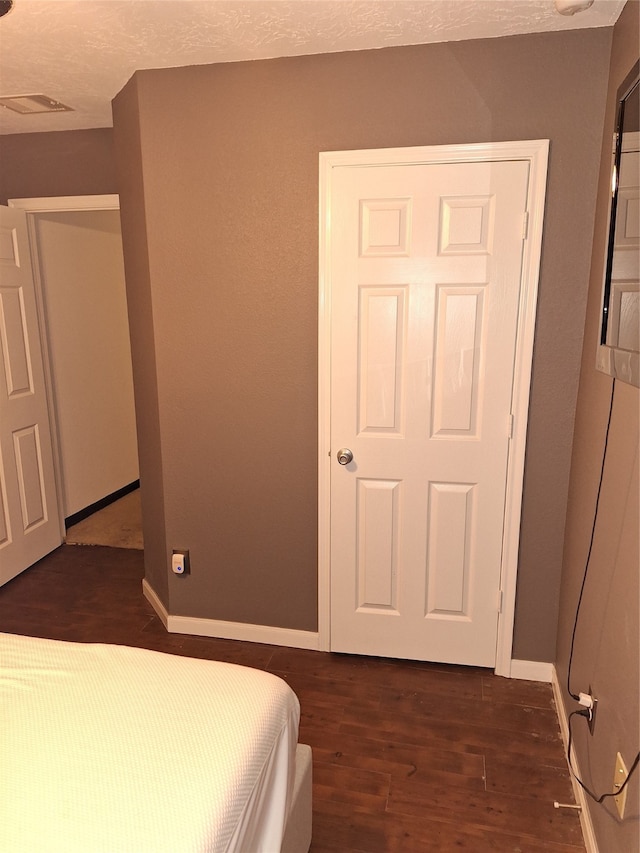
(580, 796)
(526, 670)
(230, 630)
(531, 670)
(151, 596)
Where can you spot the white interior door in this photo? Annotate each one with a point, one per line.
(425, 266)
(30, 526)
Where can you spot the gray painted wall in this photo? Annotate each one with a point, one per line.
(607, 649)
(75, 162)
(226, 263)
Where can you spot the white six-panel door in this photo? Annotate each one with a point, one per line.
(425, 266)
(30, 526)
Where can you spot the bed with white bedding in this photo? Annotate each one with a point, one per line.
(111, 749)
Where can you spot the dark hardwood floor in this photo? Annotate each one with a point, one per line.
(406, 756)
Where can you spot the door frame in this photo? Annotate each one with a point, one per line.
(32, 207)
(536, 153)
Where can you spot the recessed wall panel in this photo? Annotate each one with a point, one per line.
(458, 345)
(28, 456)
(385, 227)
(15, 342)
(381, 358)
(377, 544)
(448, 530)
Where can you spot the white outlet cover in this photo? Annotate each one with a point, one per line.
(619, 778)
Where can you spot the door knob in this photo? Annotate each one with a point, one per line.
(344, 456)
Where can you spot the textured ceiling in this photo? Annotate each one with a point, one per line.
(82, 52)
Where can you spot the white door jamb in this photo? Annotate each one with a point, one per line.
(536, 153)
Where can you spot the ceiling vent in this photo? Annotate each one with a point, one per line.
(27, 104)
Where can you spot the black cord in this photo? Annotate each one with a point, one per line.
(585, 712)
(593, 533)
(593, 796)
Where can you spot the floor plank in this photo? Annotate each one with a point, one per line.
(486, 809)
(340, 827)
(407, 756)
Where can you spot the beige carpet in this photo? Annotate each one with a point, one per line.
(118, 525)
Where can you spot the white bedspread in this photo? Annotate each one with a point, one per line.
(109, 749)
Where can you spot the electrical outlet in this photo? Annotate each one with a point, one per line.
(619, 778)
(594, 707)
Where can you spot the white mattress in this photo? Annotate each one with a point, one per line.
(107, 749)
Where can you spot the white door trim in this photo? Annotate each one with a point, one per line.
(536, 153)
(57, 204)
(54, 204)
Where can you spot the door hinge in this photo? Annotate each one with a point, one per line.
(499, 601)
(511, 422)
(525, 225)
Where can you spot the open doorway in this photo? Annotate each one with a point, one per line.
(118, 524)
(76, 246)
